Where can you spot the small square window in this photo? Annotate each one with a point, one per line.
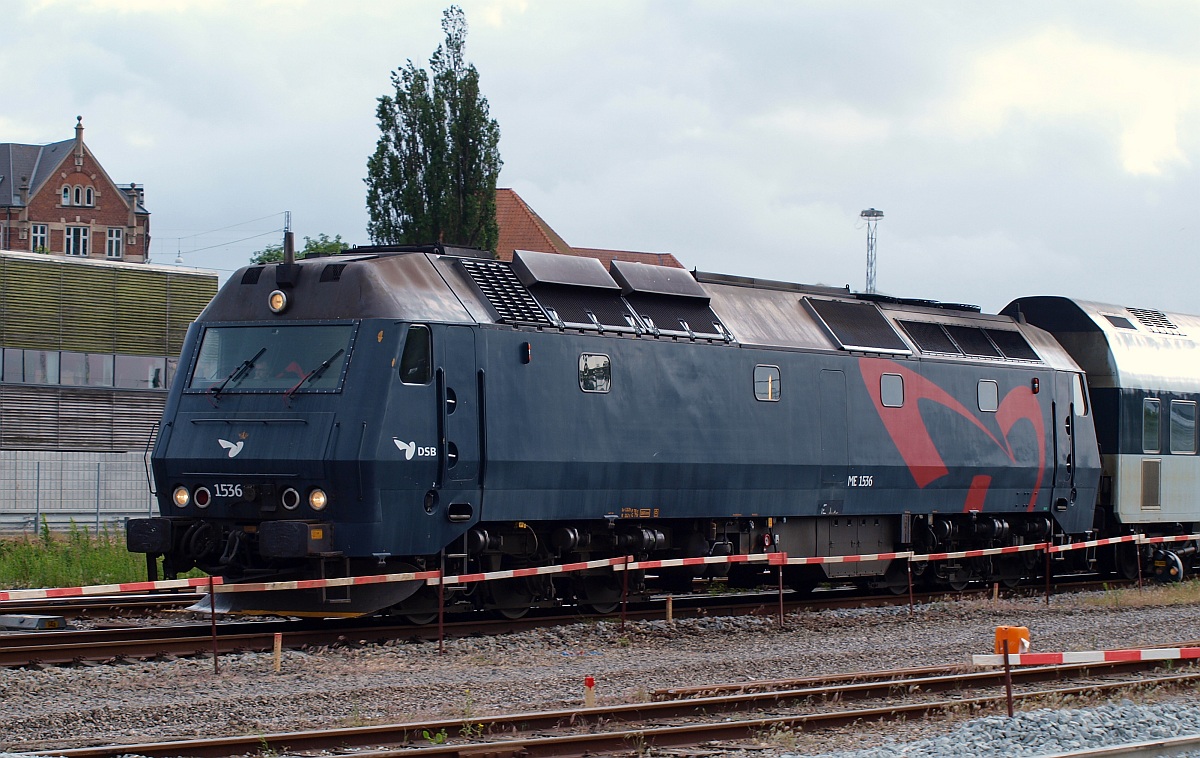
(766, 383)
(891, 390)
(595, 373)
(989, 396)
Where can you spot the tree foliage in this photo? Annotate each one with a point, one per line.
(433, 174)
(322, 245)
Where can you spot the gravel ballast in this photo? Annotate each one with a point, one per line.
(543, 669)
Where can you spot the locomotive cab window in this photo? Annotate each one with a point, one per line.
(891, 390)
(1150, 425)
(766, 383)
(290, 358)
(1183, 426)
(595, 373)
(1079, 396)
(416, 363)
(989, 395)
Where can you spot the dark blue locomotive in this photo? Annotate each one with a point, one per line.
(392, 409)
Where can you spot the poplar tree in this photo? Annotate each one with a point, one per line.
(433, 175)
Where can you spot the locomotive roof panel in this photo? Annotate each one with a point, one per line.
(1120, 346)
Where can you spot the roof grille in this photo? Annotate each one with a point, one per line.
(1152, 319)
(250, 275)
(676, 314)
(504, 291)
(332, 272)
(858, 326)
(1120, 322)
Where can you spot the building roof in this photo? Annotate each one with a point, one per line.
(523, 229)
(34, 163)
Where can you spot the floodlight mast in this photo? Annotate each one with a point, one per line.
(872, 216)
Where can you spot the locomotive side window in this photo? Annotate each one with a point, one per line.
(1150, 425)
(766, 383)
(1079, 397)
(1183, 426)
(416, 364)
(595, 373)
(891, 390)
(989, 395)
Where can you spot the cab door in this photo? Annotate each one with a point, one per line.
(460, 443)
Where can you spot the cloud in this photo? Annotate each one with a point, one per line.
(1138, 98)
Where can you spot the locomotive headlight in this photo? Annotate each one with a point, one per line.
(277, 301)
(318, 499)
(181, 496)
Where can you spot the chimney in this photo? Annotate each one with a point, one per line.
(78, 140)
(24, 190)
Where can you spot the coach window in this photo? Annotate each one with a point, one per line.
(1150, 423)
(891, 390)
(416, 364)
(989, 396)
(766, 383)
(41, 366)
(595, 373)
(1183, 426)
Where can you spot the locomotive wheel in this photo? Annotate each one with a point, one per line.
(896, 577)
(1009, 571)
(512, 598)
(601, 592)
(421, 609)
(1125, 561)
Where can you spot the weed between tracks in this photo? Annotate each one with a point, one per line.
(1151, 594)
(49, 559)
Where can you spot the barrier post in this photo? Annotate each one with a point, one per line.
(779, 574)
(908, 565)
(212, 613)
(624, 592)
(1008, 678)
(671, 609)
(278, 651)
(442, 611)
(1048, 573)
(1137, 555)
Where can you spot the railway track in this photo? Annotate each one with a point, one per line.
(113, 645)
(725, 714)
(112, 605)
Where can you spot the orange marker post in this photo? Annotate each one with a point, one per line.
(589, 692)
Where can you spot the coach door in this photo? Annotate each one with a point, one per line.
(459, 456)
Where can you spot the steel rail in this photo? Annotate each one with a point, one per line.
(592, 719)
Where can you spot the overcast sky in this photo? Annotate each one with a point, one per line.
(1015, 148)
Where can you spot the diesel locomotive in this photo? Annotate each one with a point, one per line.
(392, 409)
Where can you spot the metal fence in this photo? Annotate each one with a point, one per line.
(90, 490)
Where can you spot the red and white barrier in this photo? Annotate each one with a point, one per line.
(311, 584)
(1096, 543)
(1090, 656)
(979, 553)
(513, 573)
(817, 560)
(1176, 538)
(108, 589)
(701, 561)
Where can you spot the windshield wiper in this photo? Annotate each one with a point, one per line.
(313, 375)
(237, 374)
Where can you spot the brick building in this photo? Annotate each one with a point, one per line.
(58, 199)
(523, 229)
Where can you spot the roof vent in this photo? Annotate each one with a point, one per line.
(250, 275)
(1153, 319)
(668, 299)
(858, 326)
(332, 272)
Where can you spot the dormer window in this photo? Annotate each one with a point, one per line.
(66, 200)
(89, 197)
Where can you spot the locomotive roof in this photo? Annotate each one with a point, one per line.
(1121, 346)
(550, 292)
